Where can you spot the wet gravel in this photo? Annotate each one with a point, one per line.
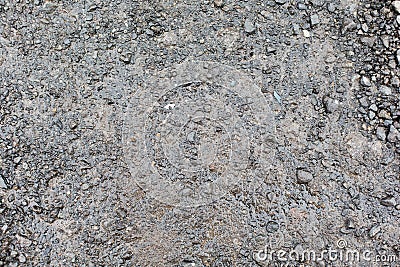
(71, 70)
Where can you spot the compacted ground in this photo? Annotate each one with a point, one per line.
(118, 118)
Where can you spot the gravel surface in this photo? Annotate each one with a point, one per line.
(200, 133)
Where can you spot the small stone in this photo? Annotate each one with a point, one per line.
(314, 19)
(3, 183)
(126, 58)
(270, 50)
(280, 2)
(371, 115)
(396, 6)
(301, 6)
(219, 3)
(373, 107)
(73, 125)
(318, 3)
(350, 224)
(364, 101)
(330, 59)
(398, 56)
(92, 8)
(249, 26)
(348, 25)
(398, 19)
(330, 104)
(306, 34)
(389, 201)
(381, 133)
(134, 36)
(331, 7)
(385, 41)
(393, 135)
(385, 90)
(384, 114)
(364, 27)
(85, 186)
(365, 81)
(22, 258)
(374, 230)
(296, 29)
(304, 177)
(89, 17)
(191, 137)
(368, 41)
(49, 7)
(272, 227)
(149, 32)
(395, 81)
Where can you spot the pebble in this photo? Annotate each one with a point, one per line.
(22, 258)
(350, 224)
(330, 104)
(364, 101)
(126, 58)
(331, 7)
(364, 27)
(306, 33)
(281, 2)
(301, 6)
(385, 41)
(85, 186)
(219, 3)
(389, 202)
(249, 26)
(191, 137)
(92, 8)
(381, 133)
(374, 230)
(149, 32)
(2, 183)
(396, 6)
(369, 41)
(371, 115)
(395, 81)
(384, 114)
(278, 97)
(73, 125)
(272, 227)
(296, 29)
(373, 107)
(17, 160)
(393, 135)
(398, 56)
(270, 50)
(365, 81)
(304, 177)
(385, 90)
(314, 19)
(348, 25)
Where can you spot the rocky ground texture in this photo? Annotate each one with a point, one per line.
(68, 70)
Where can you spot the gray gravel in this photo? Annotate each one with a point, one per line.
(327, 72)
